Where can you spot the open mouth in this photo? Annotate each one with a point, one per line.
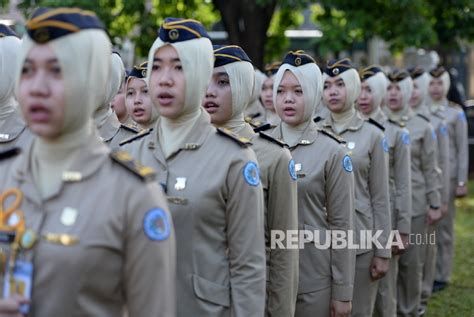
(39, 113)
(165, 99)
(211, 107)
(138, 112)
(289, 111)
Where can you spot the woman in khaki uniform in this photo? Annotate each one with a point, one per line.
(211, 179)
(425, 189)
(111, 130)
(368, 149)
(226, 98)
(458, 157)
(369, 103)
(137, 98)
(325, 190)
(437, 120)
(13, 130)
(76, 247)
(266, 95)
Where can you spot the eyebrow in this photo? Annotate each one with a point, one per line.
(48, 61)
(221, 74)
(174, 60)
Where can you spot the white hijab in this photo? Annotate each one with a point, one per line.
(378, 85)
(242, 82)
(197, 58)
(352, 82)
(9, 50)
(446, 83)
(406, 88)
(254, 103)
(310, 79)
(84, 58)
(117, 75)
(423, 82)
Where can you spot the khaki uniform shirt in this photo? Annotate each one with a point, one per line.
(281, 213)
(424, 176)
(14, 133)
(369, 151)
(458, 142)
(117, 262)
(112, 132)
(216, 201)
(437, 120)
(325, 202)
(398, 139)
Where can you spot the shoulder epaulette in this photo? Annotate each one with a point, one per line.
(10, 153)
(397, 123)
(136, 137)
(124, 159)
(454, 104)
(131, 127)
(254, 123)
(423, 117)
(375, 123)
(272, 139)
(338, 139)
(243, 142)
(263, 127)
(317, 119)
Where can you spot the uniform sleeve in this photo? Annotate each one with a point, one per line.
(340, 213)
(429, 165)
(402, 175)
(150, 256)
(282, 213)
(462, 154)
(379, 194)
(443, 161)
(245, 236)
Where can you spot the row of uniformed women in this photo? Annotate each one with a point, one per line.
(223, 203)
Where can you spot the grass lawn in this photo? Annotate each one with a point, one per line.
(458, 298)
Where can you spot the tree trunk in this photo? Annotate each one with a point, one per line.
(247, 23)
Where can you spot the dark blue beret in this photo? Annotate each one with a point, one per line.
(5, 30)
(369, 71)
(337, 66)
(397, 75)
(178, 30)
(139, 71)
(416, 71)
(48, 24)
(297, 58)
(437, 71)
(226, 54)
(271, 69)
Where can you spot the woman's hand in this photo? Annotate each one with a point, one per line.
(340, 309)
(378, 268)
(10, 307)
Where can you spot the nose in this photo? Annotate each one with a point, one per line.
(138, 99)
(210, 92)
(165, 77)
(289, 98)
(39, 84)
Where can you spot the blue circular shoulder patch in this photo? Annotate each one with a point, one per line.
(443, 129)
(251, 174)
(462, 116)
(385, 145)
(292, 170)
(406, 138)
(156, 225)
(347, 163)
